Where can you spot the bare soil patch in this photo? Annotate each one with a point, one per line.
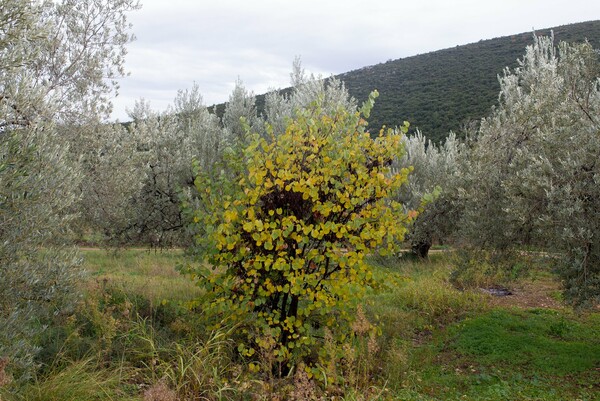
(540, 293)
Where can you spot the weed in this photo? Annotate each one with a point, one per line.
(193, 370)
(305, 389)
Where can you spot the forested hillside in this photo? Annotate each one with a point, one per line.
(446, 89)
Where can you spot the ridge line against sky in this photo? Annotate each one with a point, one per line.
(214, 43)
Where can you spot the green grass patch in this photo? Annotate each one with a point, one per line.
(440, 343)
(510, 355)
(544, 341)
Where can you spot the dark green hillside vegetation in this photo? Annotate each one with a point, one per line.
(444, 90)
(447, 89)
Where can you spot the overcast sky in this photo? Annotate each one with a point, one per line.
(214, 43)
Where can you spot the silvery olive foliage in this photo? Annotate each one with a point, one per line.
(139, 175)
(202, 129)
(145, 169)
(111, 161)
(170, 143)
(240, 116)
(534, 172)
(36, 196)
(306, 89)
(67, 53)
(431, 188)
(57, 60)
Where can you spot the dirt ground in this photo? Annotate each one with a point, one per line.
(541, 293)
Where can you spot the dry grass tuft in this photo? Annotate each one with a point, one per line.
(5, 378)
(160, 392)
(304, 388)
(361, 325)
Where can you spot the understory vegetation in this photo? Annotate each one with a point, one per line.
(295, 253)
(127, 340)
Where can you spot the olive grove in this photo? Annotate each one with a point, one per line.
(287, 203)
(526, 178)
(137, 176)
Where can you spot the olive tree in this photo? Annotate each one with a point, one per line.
(171, 142)
(306, 89)
(240, 113)
(36, 196)
(432, 189)
(140, 174)
(66, 53)
(54, 61)
(534, 170)
(113, 166)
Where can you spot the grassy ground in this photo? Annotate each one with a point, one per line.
(149, 274)
(138, 336)
(470, 346)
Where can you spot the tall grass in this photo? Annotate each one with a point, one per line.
(418, 302)
(83, 380)
(193, 369)
(423, 298)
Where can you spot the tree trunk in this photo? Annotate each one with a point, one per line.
(421, 248)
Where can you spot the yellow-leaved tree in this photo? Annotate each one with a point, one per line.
(286, 236)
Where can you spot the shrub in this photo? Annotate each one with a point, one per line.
(287, 243)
